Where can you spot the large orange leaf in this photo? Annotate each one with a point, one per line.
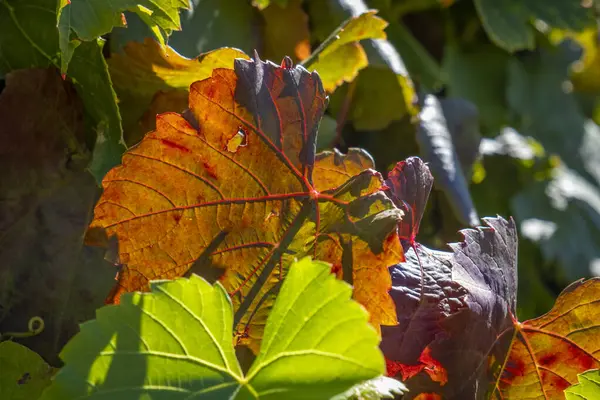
(548, 352)
(231, 186)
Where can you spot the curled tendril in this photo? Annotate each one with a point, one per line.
(35, 326)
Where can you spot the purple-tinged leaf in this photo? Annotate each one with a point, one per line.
(460, 306)
(409, 186)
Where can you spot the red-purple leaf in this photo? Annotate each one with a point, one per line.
(457, 305)
(409, 186)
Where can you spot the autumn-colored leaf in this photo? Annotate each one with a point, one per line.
(547, 353)
(232, 187)
(150, 79)
(340, 57)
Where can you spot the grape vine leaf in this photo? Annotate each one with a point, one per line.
(588, 387)
(46, 201)
(232, 187)
(343, 44)
(507, 22)
(547, 353)
(90, 19)
(150, 79)
(29, 39)
(176, 341)
(25, 374)
(452, 306)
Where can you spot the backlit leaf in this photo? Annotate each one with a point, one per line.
(383, 91)
(150, 80)
(24, 373)
(548, 353)
(588, 387)
(238, 192)
(340, 57)
(175, 343)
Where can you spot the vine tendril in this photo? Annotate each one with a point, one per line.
(35, 326)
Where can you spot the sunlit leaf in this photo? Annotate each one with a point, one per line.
(232, 187)
(547, 353)
(383, 91)
(340, 57)
(374, 389)
(24, 373)
(150, 80)
(175, 342)
(588, 387)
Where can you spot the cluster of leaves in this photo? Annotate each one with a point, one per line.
(228, 185)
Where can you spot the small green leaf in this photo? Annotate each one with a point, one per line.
(24, 373)
(342, 45)
(176, 342)
(588, 387)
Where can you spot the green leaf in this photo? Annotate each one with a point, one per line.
(89, 72)
(176, 342)
(206, 26)
(29, 39)
(374, 389)
(340, 57)
(588, 387)
(507, 22)
(91, 19)
(24, 373)
(383, 91)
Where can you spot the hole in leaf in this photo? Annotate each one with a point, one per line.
(240, 139)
